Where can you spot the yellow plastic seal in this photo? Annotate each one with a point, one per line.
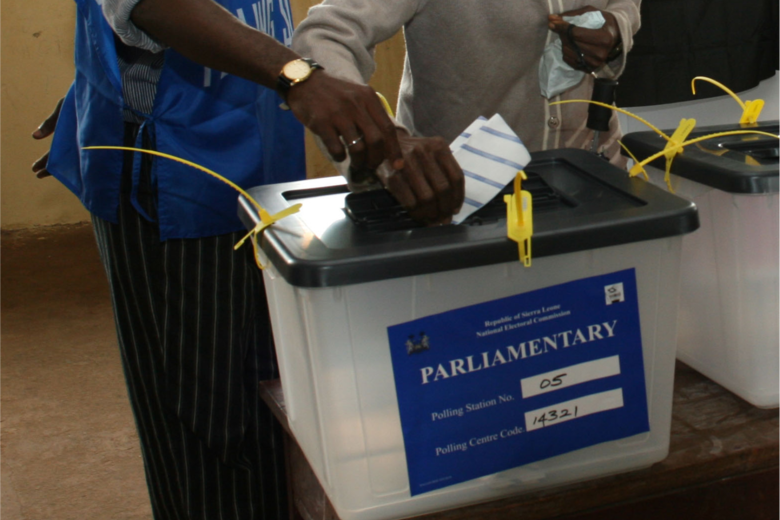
(266, 219)
(616, 109)
(636, 161)
(671, 150)
(676, 143)
(519, 218)
(639, 167)
(751, 110)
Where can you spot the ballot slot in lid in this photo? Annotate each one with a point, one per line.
(377, 211)
(763, 150)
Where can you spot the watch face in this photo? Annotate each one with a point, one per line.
(296, 70)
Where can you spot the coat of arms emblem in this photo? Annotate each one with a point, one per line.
(415, 345)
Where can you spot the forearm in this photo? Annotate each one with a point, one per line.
(341, 35)
(208, 34)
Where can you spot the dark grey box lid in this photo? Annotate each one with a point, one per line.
(736, 164)
(322, 247)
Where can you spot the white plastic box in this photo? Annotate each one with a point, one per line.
(332, 343)
(729, 312)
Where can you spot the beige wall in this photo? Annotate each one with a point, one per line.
(37, 68)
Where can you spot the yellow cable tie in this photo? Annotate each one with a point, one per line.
(679, 136)
(385, 104)
(638, 167)
(751, 110)
(261, 226)
(519, 221)
(265, 219)
(717, 84)
(616, 109)
(270, 220)
(636, 161)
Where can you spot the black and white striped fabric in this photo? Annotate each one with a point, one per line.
(140, 71)
(195, 339)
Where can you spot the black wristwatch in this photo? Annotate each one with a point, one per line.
(294, 72)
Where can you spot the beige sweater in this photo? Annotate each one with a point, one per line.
(466, 58)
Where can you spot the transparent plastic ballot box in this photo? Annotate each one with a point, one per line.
(728, 322)
(425, 368)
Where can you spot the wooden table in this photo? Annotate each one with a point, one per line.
(722, 465)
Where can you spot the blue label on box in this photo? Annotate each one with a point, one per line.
(504, 383)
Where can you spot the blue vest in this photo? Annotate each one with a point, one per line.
(219, 121)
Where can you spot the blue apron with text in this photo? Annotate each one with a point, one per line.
(225, 123)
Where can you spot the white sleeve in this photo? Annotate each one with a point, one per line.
(117, 13)
(342, 35)
(627, 15)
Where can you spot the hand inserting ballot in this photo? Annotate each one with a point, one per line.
(587, 49)
(430, 185)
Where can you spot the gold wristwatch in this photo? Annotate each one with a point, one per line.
(293, 73)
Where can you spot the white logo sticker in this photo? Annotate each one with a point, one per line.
(614, 293)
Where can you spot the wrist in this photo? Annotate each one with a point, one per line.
(613, 28)
(616, 51)
(294, 73)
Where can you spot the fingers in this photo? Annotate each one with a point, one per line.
(430, 185)
(594, 44)
(584, 60)
(364, 143)
(454, 174)
(330, 138)
(45, 130)
(349, 118)
(355, 144)
(39, 166)
(392, 147)
(399, 188)
(373, 139)
(48, 125)
(446, 180)
(591, 38)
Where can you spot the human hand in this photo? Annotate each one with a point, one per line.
(349, 118)
(590, 48)
(431, 184)
(45, 130)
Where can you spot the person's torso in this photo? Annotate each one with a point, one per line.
(469, 58)
(219, 121)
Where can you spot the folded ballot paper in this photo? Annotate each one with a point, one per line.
(490, 155)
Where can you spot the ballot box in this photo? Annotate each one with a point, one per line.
(425, 368)
(728, 322)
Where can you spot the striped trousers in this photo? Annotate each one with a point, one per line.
(195, 340)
